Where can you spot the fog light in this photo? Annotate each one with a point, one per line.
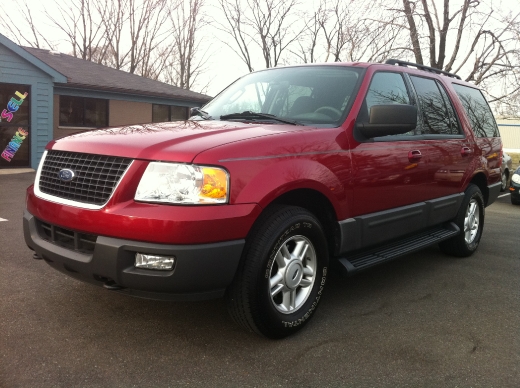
(164, 263)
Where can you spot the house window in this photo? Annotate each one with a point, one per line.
(83, 112)
(162, 113)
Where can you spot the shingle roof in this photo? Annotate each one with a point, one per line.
(82, 73)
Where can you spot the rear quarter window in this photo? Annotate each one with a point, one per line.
(478, 111)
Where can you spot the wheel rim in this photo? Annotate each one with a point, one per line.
(472, 221)
(292, 274)
(504, 181)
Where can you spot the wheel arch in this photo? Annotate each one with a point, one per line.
(320, 206)
(480, 181)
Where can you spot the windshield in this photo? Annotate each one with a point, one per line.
(313, 95)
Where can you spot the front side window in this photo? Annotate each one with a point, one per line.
(478, 111)
(438, 115)
(387, 89)
(314, 95)
(83, 112)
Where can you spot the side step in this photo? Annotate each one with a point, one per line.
(367, 259)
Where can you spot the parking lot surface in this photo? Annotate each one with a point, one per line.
(425, 320)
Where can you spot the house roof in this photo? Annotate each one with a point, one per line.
(55, 75)
(90, 75)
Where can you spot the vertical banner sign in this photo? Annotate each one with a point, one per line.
(6, 117)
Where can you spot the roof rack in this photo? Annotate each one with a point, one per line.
(421, 67)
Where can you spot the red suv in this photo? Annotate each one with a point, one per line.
(285, 171)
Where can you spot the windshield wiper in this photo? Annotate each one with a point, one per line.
(200, 113)
(253, 115)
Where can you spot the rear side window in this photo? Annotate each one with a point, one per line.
(478, 111)
(438, 115)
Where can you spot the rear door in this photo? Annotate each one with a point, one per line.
(449, 151)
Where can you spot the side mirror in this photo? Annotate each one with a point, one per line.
(195, 111)
(387, 120)
(199, 112)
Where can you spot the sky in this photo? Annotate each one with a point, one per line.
(223, 65)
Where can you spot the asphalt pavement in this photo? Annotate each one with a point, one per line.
(425, 320)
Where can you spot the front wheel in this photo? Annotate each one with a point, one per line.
(470, 220)
(282, 275)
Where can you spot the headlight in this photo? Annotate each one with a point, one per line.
(183, 183)
(516, 178)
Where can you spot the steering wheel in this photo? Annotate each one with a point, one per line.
(329, 111)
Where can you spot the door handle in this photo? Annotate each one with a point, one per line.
(465, 151)
(414, 156)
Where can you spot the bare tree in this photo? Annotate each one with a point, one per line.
(469, 37)
(236, 25)
(116, 16)
(187, 19)
(146, 34)
(272, 22)
(80, 22)
(271, 25)
(19, 34)
(348, 31)
(308, 40)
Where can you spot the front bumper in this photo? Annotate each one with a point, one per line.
(202, 271)
(514, 190)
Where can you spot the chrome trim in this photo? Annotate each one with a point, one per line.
(68, 202)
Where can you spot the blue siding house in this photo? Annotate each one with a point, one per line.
(45, 95)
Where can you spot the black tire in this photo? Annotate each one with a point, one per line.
(505, 181)
(298, 283)
(466, 242)
(515, 201)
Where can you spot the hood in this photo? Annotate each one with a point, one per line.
(174, 141)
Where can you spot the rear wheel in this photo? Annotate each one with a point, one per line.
(282, 275)
(505, 179)
(470, 220)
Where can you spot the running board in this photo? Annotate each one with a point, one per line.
(367, 259)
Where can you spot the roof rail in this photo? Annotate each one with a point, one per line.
(421, 67)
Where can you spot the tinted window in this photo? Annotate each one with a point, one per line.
(163, 113)
(314, 95)
(160, 113)
(478, 111)
(438, 115)
(83, 112)
(386, 89)
(178, 113)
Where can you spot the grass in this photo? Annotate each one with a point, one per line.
(515, 158)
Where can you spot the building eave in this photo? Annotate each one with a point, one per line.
(55, 75)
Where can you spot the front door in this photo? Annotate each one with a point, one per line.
(390, 171)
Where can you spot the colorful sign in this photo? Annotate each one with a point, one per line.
(12, 106)
(14, 144)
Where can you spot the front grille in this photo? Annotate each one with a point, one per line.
(95, 176)
(66, 238)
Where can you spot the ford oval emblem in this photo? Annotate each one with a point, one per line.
(66, 175)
